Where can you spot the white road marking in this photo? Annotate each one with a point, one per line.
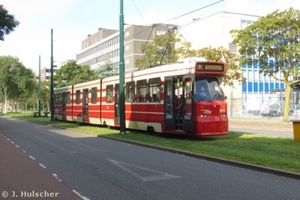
(55, 175)
(43, 166)
(31, 157)
(83, 197)
(158, 174)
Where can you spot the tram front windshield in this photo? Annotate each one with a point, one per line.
(208, 89)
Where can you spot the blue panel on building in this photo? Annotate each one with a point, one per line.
(267, 87)
(255, 86)
(255, 65)
(244, 87)
(261, 86)
(244, 66)
(250, 89)
(272, 86)
(277, 86)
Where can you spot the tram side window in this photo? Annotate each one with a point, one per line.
(94, 95)
(109, 93)
(59, 98)
(77, 96)
(129, 97)
(55, 99)
(154, 90)
(141, 91)
(68, 98)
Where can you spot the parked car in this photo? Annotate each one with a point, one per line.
(270, 109)
(296, 110)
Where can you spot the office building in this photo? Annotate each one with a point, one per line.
(103, 46)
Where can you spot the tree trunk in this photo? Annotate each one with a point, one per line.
(287, 103)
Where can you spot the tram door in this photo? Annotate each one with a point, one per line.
(173, 103)
(117, 108)
(63, 110)
(178, 103)
(85, 105)
(188, 121)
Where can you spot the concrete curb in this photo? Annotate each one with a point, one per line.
(214, 159)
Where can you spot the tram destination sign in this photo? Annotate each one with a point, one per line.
(209, 67)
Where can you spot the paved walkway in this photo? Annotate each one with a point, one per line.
(273, 127)
(23, 178)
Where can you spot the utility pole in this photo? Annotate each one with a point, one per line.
(121, 73)
(52, 85)
(39, 87)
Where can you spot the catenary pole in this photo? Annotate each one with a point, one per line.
(121, 73)
(39, 87)
(52, 85)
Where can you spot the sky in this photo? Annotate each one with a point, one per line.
(72, 20)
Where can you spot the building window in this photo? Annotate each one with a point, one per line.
(232, 48)
(245, 23)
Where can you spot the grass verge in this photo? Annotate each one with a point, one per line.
(276, 153)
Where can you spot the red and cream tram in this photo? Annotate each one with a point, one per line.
(181, 98)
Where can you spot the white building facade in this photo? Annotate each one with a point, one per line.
(258, 89)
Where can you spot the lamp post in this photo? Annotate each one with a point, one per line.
(121, 73)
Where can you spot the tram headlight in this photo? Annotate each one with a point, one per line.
(222, 112)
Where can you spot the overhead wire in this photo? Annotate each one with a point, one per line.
(194, 10)
(138, 10)
(174, 26)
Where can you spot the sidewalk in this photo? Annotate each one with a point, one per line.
(273, 127)
(23, 178)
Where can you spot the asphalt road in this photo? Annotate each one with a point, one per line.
(101, 169)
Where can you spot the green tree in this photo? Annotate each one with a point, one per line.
(106, 70)
(275, 36)
(182, 49)
(16, 81)
(8, 23)
(161, 51)
(71, 74)
(45, 95)
(232, 60)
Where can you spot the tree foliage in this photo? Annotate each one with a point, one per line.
(159, 52)
(16, 81)
(232, 60)
(8, 23)
(182, 49)
(106, 70)
(273, 37)
(71, 74)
